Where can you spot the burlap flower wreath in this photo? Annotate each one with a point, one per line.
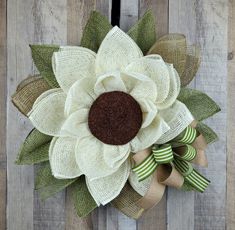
(113, 118)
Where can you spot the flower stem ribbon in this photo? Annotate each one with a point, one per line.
(170, 164)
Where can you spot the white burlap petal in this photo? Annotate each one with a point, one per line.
(115, 155)
(139, 186)
(45, 94)
(149, 111)
(116, 51)
(47, 115)
(90, 158)
(109, 82)
(62, 158)
(71, 64)
(178, 117)
(174, 89)
(139, 86)
(107, 188)
(155, 68)
(76, 125)
(80, 95)
(149, 135)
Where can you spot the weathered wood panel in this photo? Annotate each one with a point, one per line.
(230, 203)
(49, 28)
(205, 22)
(180, 205)
(3, 85)
(211, 25)
(20, 180)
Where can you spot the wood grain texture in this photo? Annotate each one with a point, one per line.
(206, 24)
(230, 203)
(160, 10)
(211, 25)
(3, 85)
(49, 28)
(20, 180)
(180, 205)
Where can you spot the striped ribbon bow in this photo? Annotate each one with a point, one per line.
(179, 156)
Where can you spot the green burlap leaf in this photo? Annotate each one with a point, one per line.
(95, 30)
(83, 201)
(207, 132)
(42, 55)
(143, 32)
(34, 149)
(199, 104)
(47, 184)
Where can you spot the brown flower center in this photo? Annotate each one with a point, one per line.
(115, 118)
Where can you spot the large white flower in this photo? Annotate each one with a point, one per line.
(110, 104)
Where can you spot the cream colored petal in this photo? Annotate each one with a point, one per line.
(116, 51)
(47, 115)
(76, 125)
(178, 117)
(149, 111)
(174, 89)
(62, 158)
(109, 82)
(155, 68)
(107, 188)
(115, 155)
(139, 86)
(80, 95)
(45, 94)
(139, 186)
(90, 158)
(149, 135)
(71, 64)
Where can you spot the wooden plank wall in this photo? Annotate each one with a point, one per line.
(208, 23)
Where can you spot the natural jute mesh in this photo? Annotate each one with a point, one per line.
(27, 92)
(192, 64)
(172, 48)
(126, 202)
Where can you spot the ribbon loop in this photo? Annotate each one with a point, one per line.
(160, 155)
(194, 178)
(186, 152)
(163, 154)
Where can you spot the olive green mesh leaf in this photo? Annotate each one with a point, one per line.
(207, 132)
(173, 49)
(193, 59)
(27, 92)
(95, 30)
(143, 32)
(34, 149)
(199, 104)
(47, 184)
(42, 55)
(83, 201)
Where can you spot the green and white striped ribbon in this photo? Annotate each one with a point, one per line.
(160, 155)
(189, 136)
(194, 178)
(189, 154)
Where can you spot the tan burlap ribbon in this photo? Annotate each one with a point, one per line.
(27, 92)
